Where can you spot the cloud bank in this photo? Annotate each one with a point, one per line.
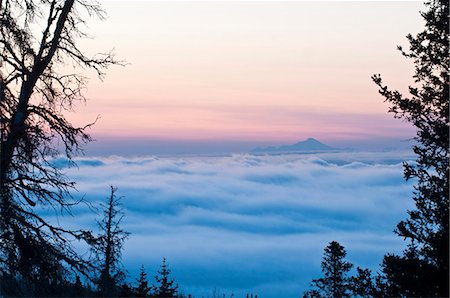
(247, 223)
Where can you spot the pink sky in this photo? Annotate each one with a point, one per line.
(268, 71)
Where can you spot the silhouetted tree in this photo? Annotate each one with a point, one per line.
(142, 288)
(78, 289)
(34, 94)
(406, 275)
(312, 294)
(362, 285)
(126, 290)
(108, 249)
(165, 285)
(335, 282)
(426, 107)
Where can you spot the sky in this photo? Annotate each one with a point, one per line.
(244, 223)
(273, 72)
(222, 77)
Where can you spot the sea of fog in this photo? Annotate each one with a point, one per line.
(248, 223)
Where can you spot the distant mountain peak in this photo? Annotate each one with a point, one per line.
(308, 145)
(309, 140)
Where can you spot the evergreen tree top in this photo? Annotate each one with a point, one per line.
(165, 285)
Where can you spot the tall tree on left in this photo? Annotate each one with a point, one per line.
(38, 40)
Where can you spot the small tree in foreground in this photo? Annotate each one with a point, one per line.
(126, 290)
(362, 285)
(142, 288)
(335, 282)
(165, 285)
(108, 249)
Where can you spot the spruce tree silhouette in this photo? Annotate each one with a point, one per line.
(335, 282)
(142, 288)
(426, 107)
(108, 248)
(362, 285)
(407, 275)
(165, 285)
(126, 290)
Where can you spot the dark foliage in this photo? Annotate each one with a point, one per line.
(165, 285)
(407, 275)
(142, 288)
(335, 282)
(36, 255)
(312, 294)
(362, 285)
(126, 290)
(426, 107)
(108, 247)
(78, 290)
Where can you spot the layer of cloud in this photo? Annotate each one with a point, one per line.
(244, 223)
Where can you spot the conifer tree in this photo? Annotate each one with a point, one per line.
(126, 290)
(427, 108)
(335, 282)
(362, 285)
(165, 285)
(142, 288)
(108, 249)
(406, 275)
